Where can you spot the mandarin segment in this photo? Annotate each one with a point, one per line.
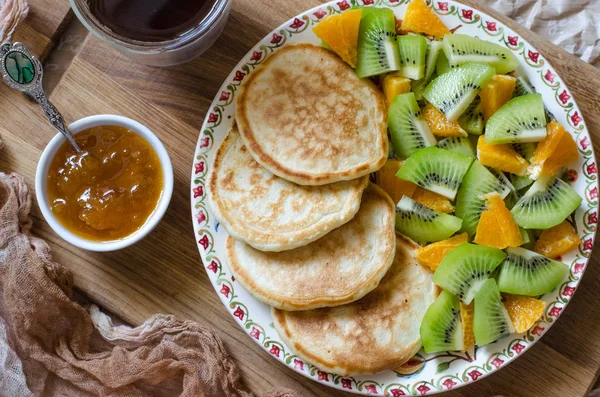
(419, 18)
(432, 200)
(558, 149)
(466, 317)
(557, 240)
(496, 227)
(440, 125)
(394, 85)
(340, 33)
(501, 157)
(496, 93)
(386, 179)
(523, 311)
(431, 255)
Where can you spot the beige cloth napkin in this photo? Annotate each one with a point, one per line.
(12, 12)
(52, 346)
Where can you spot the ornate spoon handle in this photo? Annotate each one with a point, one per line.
(23, 72)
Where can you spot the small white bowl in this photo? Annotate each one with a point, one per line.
(41, 182)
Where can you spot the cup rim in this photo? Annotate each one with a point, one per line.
(156, 216)
(139, 47)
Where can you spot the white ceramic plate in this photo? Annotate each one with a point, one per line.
(427, 373)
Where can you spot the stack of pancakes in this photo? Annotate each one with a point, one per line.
(308, 234)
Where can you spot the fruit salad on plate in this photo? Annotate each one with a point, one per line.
(476, 170)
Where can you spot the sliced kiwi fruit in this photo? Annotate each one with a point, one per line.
(472, 119)
(526, 150)
(408, 128)
(521, 119)
(523, 87)
(434, 48)
(413, 50)
(464, 269)
(441, 328)
(458, 144)
(442, 65)
(503, 181)
(418, 87)
(548, 202)
(490, 318)
(520, 182)
(525, 272)
(438, 170)
(377, 50)
(461, 48)
(453, 92)
(470, 202)
(422, 224)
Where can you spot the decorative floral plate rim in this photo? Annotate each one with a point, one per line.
(427, 374)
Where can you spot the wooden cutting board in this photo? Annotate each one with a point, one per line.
(164, 274)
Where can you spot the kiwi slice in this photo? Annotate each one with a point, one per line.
(503, 181)
(470, 202)
(472, 119)
(547, 203)
(434, 48)
(461, 48)
(521, 119)
(408, 128)
(438, 170)
(377, 50)
(418, 87)
(464, 269)
(442, 65)
(490, 318)
(458, 144)
(526, 150)
(453, 92)
(422, 224)
(441, 328)
(525, 272)
(413, 49)
(523, 87)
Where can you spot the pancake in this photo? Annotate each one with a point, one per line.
(338, 268)
(306, 117)
(269, 212)
(376, 333)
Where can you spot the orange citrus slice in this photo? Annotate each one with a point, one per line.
(496, 93)
(432, 200)
(496, 227)
(523, 311)
(386, 179)
(440, 125)
(394, 85)
(431, 255)
(340, 33)
(419, 18)
(466, 317)
(557, 149)
(501, 157)
(557, 240)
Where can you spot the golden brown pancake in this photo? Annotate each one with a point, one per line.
(305, 116)
(339, 268)
(373, 334)
(268, 212)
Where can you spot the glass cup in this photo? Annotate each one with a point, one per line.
(162, 53)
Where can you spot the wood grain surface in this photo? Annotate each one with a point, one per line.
(164, 274)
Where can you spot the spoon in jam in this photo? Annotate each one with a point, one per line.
(23, 72)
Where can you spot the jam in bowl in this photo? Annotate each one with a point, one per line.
(113, 192)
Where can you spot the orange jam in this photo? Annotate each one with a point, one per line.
(110, 189)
